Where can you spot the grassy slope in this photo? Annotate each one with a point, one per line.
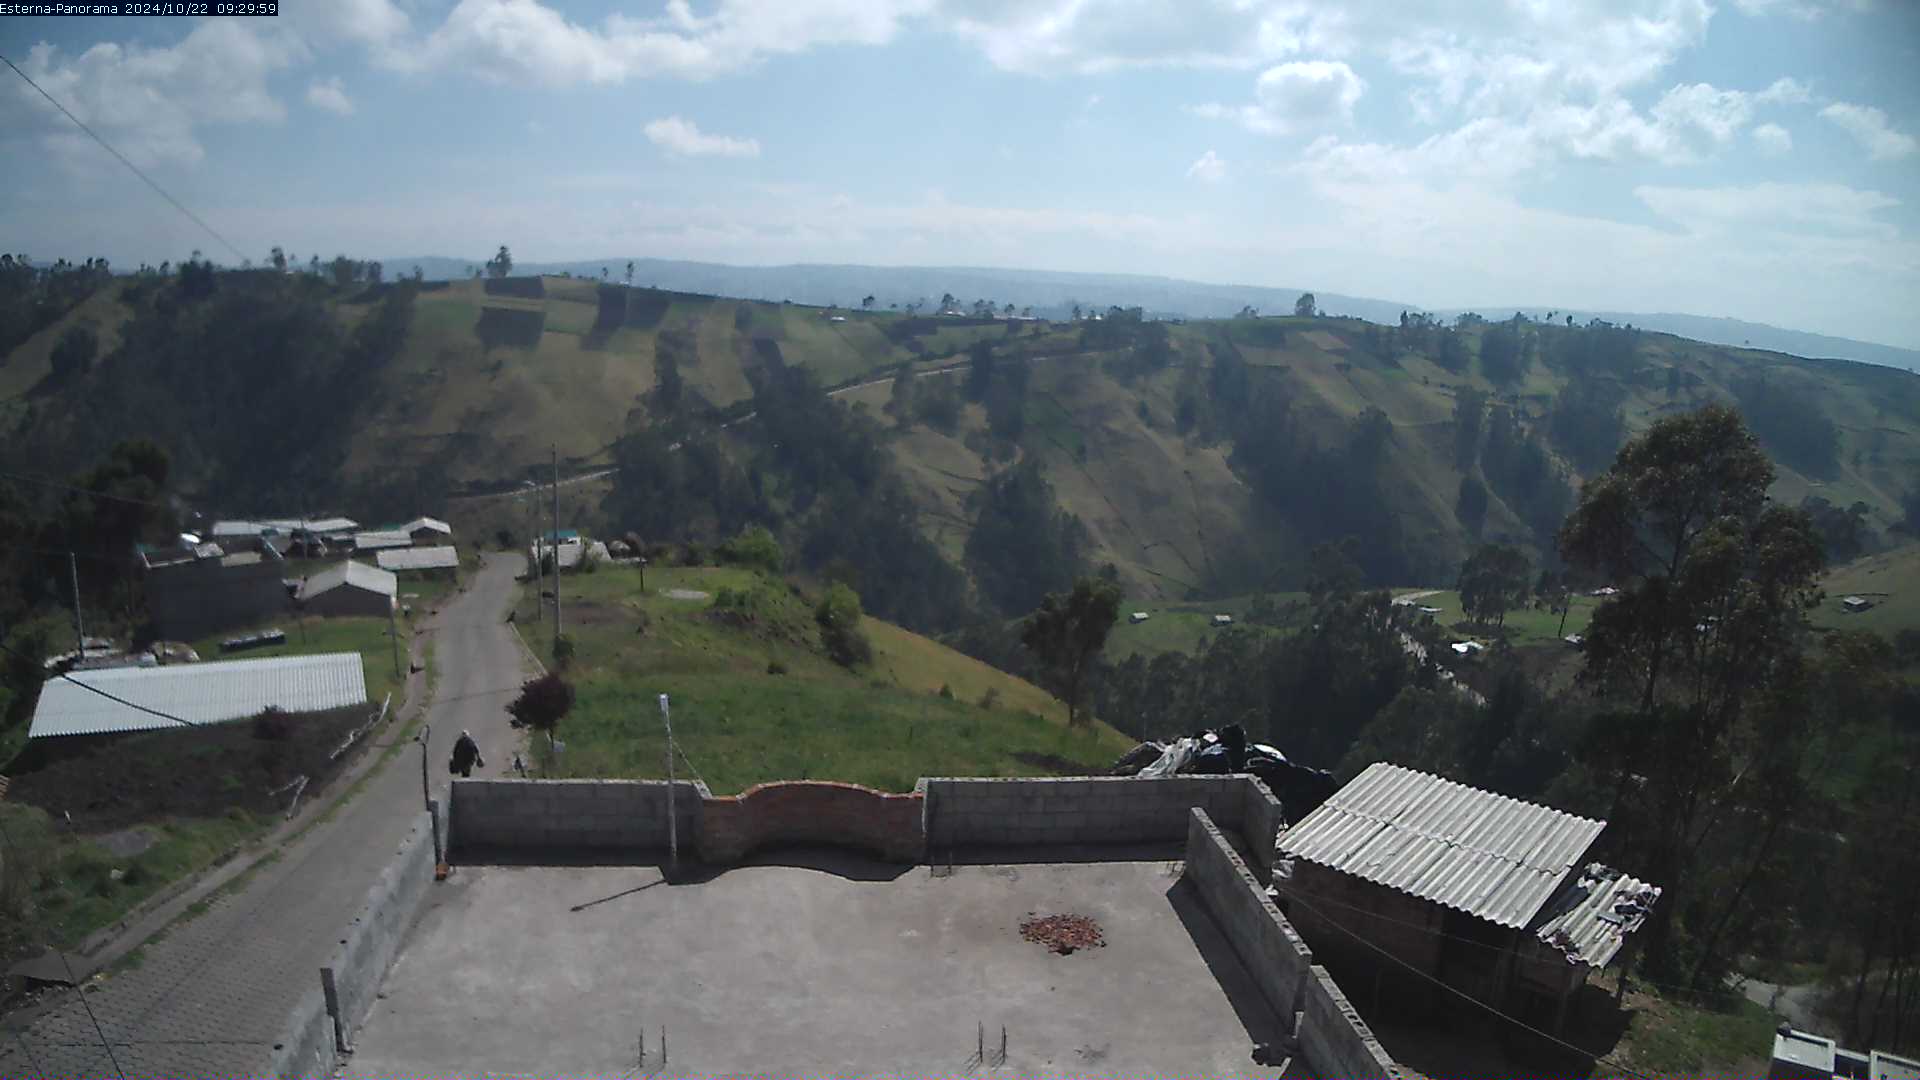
(305, 637)
(1177, 627)
(740, 725)
(1890, 579)
(1165, 510)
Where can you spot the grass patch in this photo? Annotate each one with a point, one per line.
(311, 635)
(1524, 626)
(1672, 1037)
(82, 893)
(741, 725)
(1182, 626)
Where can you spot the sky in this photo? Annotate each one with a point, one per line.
(1758, 159)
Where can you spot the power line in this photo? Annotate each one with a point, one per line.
(25, 479)
(103, 693)
(177, 204)
(1469, 998)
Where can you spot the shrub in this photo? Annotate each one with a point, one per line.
(542, 702)
(754, 547)
(946, 691)
(693, 555)
(991, 698)
(562, 652)
(839, 619)
(273, 724)
(775, 667)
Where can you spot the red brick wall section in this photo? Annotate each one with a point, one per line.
(795, 813)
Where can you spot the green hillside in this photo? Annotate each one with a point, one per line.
(1202, 459)
(756, 699)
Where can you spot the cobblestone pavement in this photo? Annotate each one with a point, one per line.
(209, 997)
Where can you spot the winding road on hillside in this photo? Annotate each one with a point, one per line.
(210, 997)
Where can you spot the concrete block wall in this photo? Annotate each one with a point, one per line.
(1335, 1039)
(562, 815)
(1261, 819)
(1046, 811)
(1275, 956)
(360, 962)
(813, 812)
(304, 1049)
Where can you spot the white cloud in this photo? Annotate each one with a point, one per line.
(150, 102)
(1209, 168)
(1785, 91)
(685, 139)
(527, 41)
(1719, 113)
(1294, 96)
(1773, 139)
(1870, 129)
(1825, 208)
(1805, 10)
(328, 94)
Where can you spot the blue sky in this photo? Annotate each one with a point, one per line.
(1751, 158)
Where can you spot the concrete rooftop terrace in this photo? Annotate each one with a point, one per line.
(823, 963)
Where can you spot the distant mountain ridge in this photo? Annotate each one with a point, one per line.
(1055, 293)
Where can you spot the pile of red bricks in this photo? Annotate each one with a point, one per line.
(1062, 933)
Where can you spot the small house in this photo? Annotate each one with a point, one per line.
(198, 589)
(1221, 620)
(381, 540)
(1138, 617)
(1856, 604)
(211, 693)
(350, 588)
(428, 532)
(1492, 896)
(420, 561)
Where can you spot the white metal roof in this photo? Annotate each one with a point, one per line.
(1590, 919)
(201, 693)
(356, 574)
(239, 528)
(370, 541)
(1485, 854)
(427, 523)
(423, 558)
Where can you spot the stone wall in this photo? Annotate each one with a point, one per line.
(571, 815)
(1054, 811)
(1273, 954)
(309, 1044)
(1333, 1038)
(813, 812)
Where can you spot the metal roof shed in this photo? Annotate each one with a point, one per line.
(420, 558)
(212, 693)
(1487, 855)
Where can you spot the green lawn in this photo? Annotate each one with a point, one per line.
(1524, 626)
(1671, 1036)
(311, 635)
(1180, 627)
(1891, 580)
(740, 725)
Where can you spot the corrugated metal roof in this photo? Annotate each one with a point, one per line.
(427, 523)
(239, 528)
(1590, 919)
(1485, 854)
(370, 541)
(202, 693)
(425, 558)
(357, 574)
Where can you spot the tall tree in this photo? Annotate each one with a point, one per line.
(501, 264)
(1493, 581)
(1067, 633)
(1305, 307)
(1714, 582)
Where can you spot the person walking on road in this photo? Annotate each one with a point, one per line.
(466, 754)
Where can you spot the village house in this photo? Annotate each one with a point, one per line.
(433, 562)
(195, 589)
(1490, 895)
(428, 532)
(349, 588)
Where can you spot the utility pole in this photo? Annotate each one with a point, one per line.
(673, 825)
(556, 550)
(533, 531)
(393, 632)
(79, 629)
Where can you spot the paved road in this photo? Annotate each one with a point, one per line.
(209, 998)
